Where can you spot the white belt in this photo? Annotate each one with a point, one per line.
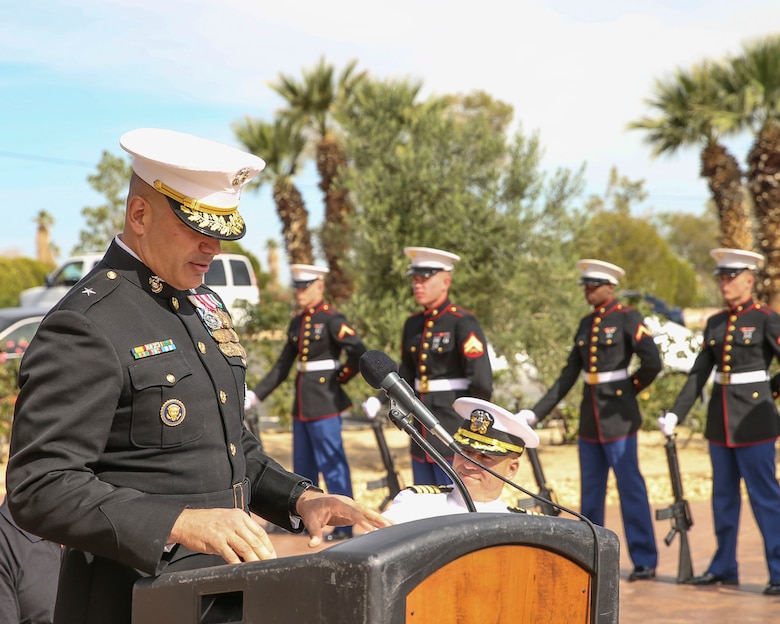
(730, 379)
(441, 385)
(318, 365)
(598, 378)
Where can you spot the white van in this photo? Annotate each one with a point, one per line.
(230, 275)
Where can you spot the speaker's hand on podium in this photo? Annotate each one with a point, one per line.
(318, 510)
(230, 533)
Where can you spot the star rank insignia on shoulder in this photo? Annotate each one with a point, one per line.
(88, 291)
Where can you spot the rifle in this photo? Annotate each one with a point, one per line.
(390, 481)
(545, 491)
(679, 512)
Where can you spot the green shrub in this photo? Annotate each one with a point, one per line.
(19, 274)
(8, 391)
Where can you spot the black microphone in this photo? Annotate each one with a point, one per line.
(381, 372)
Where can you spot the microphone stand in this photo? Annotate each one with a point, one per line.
(404, 423)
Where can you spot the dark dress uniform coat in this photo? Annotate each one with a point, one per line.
(29, 568)
(319, 333)
(605, 341)
(130, 410)
(444, 343)
(743, 339)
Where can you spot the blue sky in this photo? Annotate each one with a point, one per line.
(76, 74)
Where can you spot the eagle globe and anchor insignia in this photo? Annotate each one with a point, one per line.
(173, 412)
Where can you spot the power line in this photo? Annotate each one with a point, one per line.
(46, 159)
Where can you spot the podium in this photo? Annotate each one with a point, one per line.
(461, 569)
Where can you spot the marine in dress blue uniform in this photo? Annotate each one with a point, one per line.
(604, 344)
(444, 354)
(128, 443)
(316, 339)
(739, 343)
(489, 434)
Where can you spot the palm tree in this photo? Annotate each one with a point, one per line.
(272, 248)
(755, 98)
(281, 144)
(313, 102)
(693, 112)
(43, 246)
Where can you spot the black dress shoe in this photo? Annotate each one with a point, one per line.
(772, 588)
(711, 579)
(338, 535)
(642, 573)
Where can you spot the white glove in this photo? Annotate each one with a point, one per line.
(371, 406)
(250, 400)
(667, 423)
(528, 416)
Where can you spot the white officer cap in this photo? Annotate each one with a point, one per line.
(598, 271)
(491, 429)
(305, 274)
(426, 261)
(202, 179)
(734, 261)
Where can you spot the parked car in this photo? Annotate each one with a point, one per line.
(17, 327)
(230, 275)
(59, 281)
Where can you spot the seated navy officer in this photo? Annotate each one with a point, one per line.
(492, 436)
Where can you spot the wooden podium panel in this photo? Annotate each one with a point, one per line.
(503, 584)
(453, 569)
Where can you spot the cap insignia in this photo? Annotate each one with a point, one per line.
(241, 176)
(481, 421)
(172, 412)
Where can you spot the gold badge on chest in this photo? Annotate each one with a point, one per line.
(219, 324)
(173, 412)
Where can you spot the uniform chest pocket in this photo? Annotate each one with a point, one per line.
(166, 410)
(608, 336)
(746, 336)
(441, 342)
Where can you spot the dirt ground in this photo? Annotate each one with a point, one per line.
(559, 462)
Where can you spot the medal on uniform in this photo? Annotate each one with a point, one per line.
(219, 324)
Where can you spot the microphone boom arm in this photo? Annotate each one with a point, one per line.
(403, 422)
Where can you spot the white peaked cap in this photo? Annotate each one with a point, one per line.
(491, 429)
(201, 178)
(303, 274)
(736, 259)
(599, 270)
(429, 260)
